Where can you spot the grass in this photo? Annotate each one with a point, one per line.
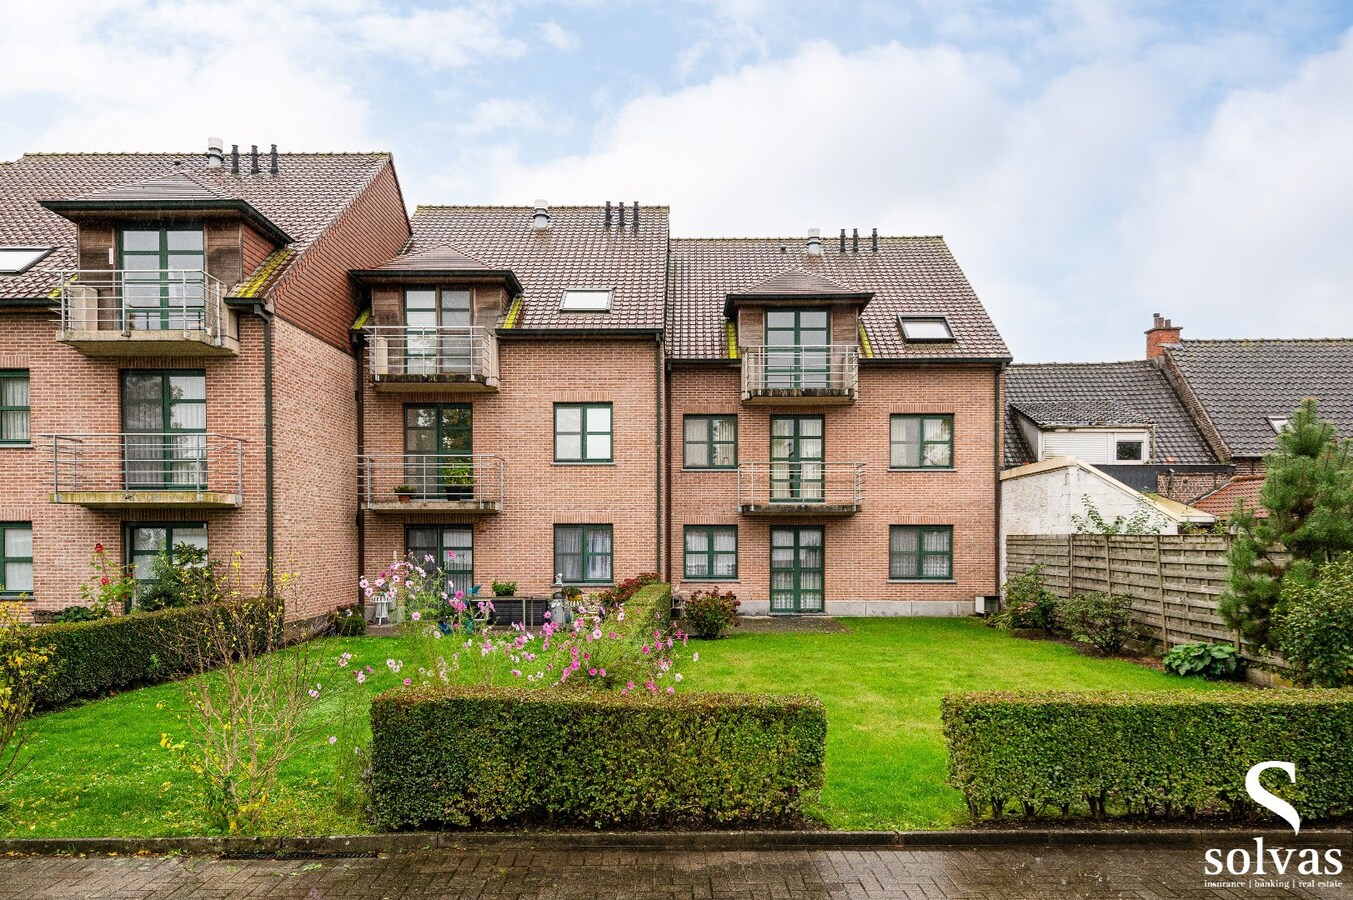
(99, 769)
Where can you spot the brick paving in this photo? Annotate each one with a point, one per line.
(1025, 873)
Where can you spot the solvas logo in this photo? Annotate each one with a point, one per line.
(1275, 861)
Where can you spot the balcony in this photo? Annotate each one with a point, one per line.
(150, 471)
(404, 483)
(800, 489)
(453, 359)
(816, 375)
(141, 312)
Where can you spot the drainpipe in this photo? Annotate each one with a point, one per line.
(667, 453)
(658, 442)
(997, 420)
(359, 343)
(265, 319)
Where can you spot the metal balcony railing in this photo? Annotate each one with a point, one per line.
(450, 353)
(768, 486)
(127, 301)
(85, 467)
(459, 480)
(826, 370)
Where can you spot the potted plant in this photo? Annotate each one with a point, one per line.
(458, 478)
(504, 588)
(404, 492)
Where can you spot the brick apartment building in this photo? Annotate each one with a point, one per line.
(271, 358)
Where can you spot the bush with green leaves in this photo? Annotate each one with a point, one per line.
(1104, 621)
(349, 621)
(188, 577)
(1314, 626)
(1215, 662)
(709, 614)
(76, 614)
(466, 756)
(1162, 754)
(1028, 604)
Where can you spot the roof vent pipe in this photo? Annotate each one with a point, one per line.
(814, 242)
(608, 213)
(215, 153)
(540, 220)
(855, 240)
(253, 159)
(843, 240)
(874, 241)
(636, 215)
(620, 212)
(272, 160)
(234, 159)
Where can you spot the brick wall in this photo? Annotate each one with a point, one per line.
(517, 423)
(856, 547)
(1189, 486)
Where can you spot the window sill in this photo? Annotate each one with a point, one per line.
(709, 581)
(709, 468)
(923, 581)
(923, 469)
(9, 446)
(583, 462)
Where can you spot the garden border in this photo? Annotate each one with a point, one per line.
(406, 842)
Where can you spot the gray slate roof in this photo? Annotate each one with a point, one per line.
(1135, 389)
(1241, 383)
(1072, 413)
(914, 276)
(307, 195)
(577, 251)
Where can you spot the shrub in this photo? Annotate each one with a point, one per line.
(186, 578)
(76, 614)
(1028, 604)
(1314, 626)
(504, 588)
(469, 756)
(1158, 753)
(709, 614)
(1212, 661)
(24, 667)
(349, 621)
(111, 587)
(1104, 621)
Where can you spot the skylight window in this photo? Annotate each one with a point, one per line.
(1278, 423)
(925, 328)
(586, 300)
(14, 260)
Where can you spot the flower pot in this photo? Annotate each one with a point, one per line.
(404, 498)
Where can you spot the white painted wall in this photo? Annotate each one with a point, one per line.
(1099, 448)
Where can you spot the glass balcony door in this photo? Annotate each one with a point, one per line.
(164, 424)
(796, 473)
(438, 339)
(163, 279)
(797, 352)
(796, 570)
(438, 441)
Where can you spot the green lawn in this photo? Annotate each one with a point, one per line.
(99, 769)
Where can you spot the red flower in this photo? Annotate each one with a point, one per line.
(103, 580)
(98, 548)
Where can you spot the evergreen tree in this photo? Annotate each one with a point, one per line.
(1308, 494)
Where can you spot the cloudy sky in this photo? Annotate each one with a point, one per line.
(1089, 162)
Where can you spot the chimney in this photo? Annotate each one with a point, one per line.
(843, 240)
(1163, 333)
(855, 240)
(272, 160)
(215, 153)
(540, 220)
(636, 215)
(814, 242)
(874, 241)
(234, 159)
(608, 213)
(253, 159)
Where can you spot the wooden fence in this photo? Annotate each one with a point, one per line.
(1173, 580)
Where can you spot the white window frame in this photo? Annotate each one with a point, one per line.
(581, 297)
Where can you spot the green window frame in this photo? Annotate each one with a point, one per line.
(164, 424)
(711, 552)
(439, 450)
(16, 559)
(163, 277)
(452, 549)
(582, 433)
(797, 454)
(920, 553)
(583, 554)
(798, 354)
(144, 545)
(15, 407)
(921, 442)
(710, 442)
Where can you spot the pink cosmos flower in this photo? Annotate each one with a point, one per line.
(695, 657)
(408, 681)
(333, 739)
(416, 616)
(361, 677)
(671, 690)
(313, 694)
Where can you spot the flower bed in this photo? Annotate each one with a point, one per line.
(461, 756)
(1159, 753)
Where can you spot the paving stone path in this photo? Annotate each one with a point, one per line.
(1026, 873)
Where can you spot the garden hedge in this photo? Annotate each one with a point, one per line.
(117, 653)
(1155, 753)
(463, 756)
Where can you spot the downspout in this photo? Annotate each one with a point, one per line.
(998, 420)
(270, 535)
(658, 443)
(667, 452)
(359, 342)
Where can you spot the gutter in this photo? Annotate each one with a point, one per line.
(268, 503)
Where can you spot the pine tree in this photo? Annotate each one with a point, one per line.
(1308, 494)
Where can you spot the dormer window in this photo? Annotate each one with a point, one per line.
(1128, 451)
(586, 300)
(931, 329)
(17, 260)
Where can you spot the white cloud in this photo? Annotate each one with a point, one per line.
(499, 114)
(558, 37)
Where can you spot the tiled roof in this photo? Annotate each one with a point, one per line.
(1243, 489)
(794, 283)
(1073, 413)
(303, 199)
(443, 259)
(906, 275)
(178, 186)
(576, 251)
(1136, 385)
(1242, 383)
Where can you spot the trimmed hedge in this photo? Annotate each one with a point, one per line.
(117, 653)
(1156, 753)
(464, 756)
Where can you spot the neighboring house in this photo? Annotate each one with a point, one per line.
(834, 426)
(175, 366)
(265, 357)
